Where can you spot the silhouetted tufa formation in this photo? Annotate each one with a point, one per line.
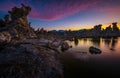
(96, 31)
(111, 31)
(115, 28)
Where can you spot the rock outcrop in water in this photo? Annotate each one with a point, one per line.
(23, 56)
(94, 50)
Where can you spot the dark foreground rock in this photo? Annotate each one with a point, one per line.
(29, 61)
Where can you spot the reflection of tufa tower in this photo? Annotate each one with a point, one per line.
(115, 28)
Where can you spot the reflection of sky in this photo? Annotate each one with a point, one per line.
(67, 14)
(84, 45)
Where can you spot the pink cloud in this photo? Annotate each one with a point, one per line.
(110, 9)
(58, 11)
(55, 9)
(57, 14)
(110, 12)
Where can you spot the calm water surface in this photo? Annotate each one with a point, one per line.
(80, 63)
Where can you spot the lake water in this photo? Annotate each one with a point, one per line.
(78, 62)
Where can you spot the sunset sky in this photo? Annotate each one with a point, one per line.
(67, 14)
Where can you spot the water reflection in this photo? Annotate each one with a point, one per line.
(91, 52)
(96, 41)
(111, 43)
(107, 45)
(107, 42)
(76, 41)
(85, 40)
(106, 63)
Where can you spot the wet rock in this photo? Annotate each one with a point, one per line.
(94, 50)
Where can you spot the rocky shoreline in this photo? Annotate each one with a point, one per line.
(25, 55)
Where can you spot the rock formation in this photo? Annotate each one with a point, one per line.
(19, 15)
(18, 27)
(23, 56)
(115, 28)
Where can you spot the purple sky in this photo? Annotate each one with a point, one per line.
(67, 14)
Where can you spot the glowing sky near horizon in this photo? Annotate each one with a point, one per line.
(67, 14)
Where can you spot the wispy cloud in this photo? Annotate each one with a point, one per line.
(50, 9)
(60, 10)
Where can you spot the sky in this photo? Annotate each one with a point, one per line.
(67, 14)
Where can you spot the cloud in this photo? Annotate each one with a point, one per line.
(57, 12)
(109, 12)
(58, 9)
(61, 9)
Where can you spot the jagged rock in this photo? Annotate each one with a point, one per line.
(19, 15)
(54, 45)
(18, 27)
(29, 61)
(5, 37)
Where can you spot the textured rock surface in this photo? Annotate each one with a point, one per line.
(29, 61)
(18, 27)
(5, 37)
